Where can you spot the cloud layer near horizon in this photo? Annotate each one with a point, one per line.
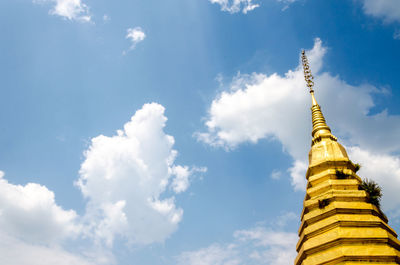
(263, 244)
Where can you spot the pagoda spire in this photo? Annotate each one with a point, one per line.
(320, 127)
(339, 224)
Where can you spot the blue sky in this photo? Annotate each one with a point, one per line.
(176, 132)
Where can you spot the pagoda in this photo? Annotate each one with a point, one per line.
(339, 224)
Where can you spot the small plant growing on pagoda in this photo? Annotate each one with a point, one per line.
(357, 167)
(322, 203)
(341, 175)
(373, 190)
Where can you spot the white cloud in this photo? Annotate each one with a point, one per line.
(69, 9)
(384, 169)
(135, 35)
(244, 6)
(33, 227)
(388, 10)
(181, 181)
(213, 255)
(259, 106)
(298, 173)
(269, 246)
(275, 107)
(284, 219)
(14, 251)
(30, 212)
(129, 181)
(124, 178)
(258, 245)
(235, 6)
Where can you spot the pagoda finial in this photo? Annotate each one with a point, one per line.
(319, 125)
(308, 76)
(307, 71)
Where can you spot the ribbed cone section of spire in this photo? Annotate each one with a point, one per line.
(318, 120)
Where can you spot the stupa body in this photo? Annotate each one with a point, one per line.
(338, 224)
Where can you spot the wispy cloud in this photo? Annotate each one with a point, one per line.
(245, 6)
(134, 35)
(235, 6)
(286, 3)
(276, 174)
(262, 244)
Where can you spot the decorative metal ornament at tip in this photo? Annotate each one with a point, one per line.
(307, 72)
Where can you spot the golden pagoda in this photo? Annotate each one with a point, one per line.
(339, 225)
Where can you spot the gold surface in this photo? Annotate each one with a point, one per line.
(338, 225)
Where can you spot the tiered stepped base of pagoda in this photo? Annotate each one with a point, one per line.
(339, 225)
